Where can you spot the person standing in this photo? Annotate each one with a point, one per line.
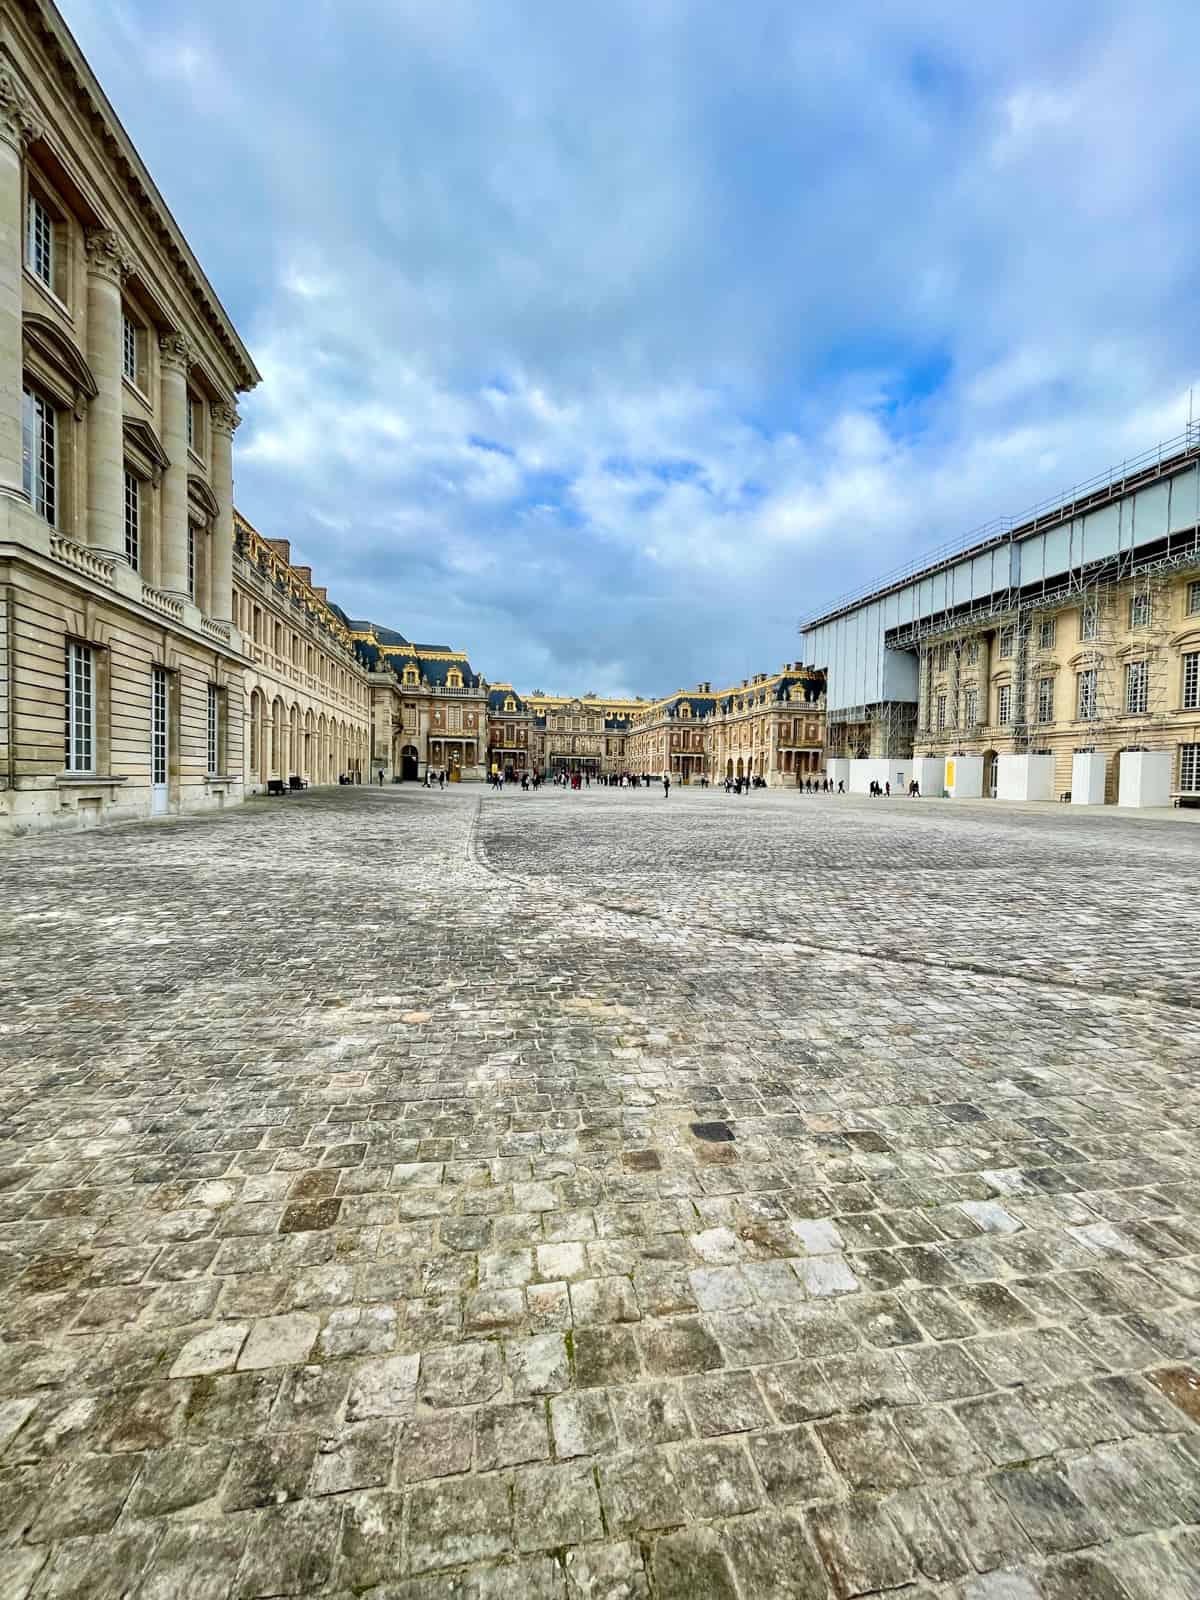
(666, 785)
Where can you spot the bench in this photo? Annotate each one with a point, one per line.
(1186, 798)
(295, 783)
(276, 786)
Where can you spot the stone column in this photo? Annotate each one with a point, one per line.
(175, 360)
(18, 128)
(105, 433)
(224, 419)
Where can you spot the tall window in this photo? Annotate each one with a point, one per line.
(941, 712)
(133, 520)
(1046, 634)
(1139, 611)
(1006, 641)
(1004, 704)
(80, 731)
(943, 657)
(1189, 767)
(1193, 599)
(129, 348)
(1191, 681)
(39, 455)
(1086, 697)
(214, 728)
(39, 241)
(971, 707)
(1089, 622)
(972, 652)
(1137, 686)
(1045, 700)
(191, 563)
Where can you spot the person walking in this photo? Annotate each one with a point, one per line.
(666, 785)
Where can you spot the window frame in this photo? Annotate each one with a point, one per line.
(1005, 640)
(33, 448)
(1004, 705)
(1191, 599)
(1089, 624)
(1139, 603)
(133, 519)
(1190, 681)
(1137, 687)
(1086, 676)
(80, 685)
(1189, 758)
(1045, 700)
(35, 203)
(971, 707)
(214, 729)
(1047, 630)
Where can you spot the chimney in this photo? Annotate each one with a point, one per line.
(321, 594)
(282, 547)
(305, 573)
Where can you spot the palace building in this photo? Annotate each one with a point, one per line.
(1057, 657)
(429, 707)
(770, 726)
(121, 664)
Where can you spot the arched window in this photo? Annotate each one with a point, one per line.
(454, 679)
(410, 675)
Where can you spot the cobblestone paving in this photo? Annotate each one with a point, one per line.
(441, 1195)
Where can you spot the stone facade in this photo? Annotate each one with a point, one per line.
(308, 693)
(1115, 668)
(121, 672)
(428, 710)
(770, 726)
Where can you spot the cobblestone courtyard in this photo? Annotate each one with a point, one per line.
(596, 1196)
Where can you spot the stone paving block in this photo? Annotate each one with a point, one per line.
(434, 1447)
(690, 1563)
(582, 1424)
(358, 1456)
(540, 1365)
(279, 1342)
(214, 1350)
(726, 1402)
(868, 1452)
(861, 1547)
(556, 1505)
(606, 1572)
(793, 1468)
(87, 1498)
(460, 1376)
(508, 1435)
(639, 1491)
(1048, 1509)
(458, 1520)
(174, 1479)
(194, 1562)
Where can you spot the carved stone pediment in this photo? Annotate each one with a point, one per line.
(201, 497)
(144, 448)
(59, 362)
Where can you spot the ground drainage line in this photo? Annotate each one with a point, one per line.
(1149, 997)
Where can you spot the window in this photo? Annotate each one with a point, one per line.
(1004, 703)
(1193, 599)
(39, 455)
(195, 424)
(191, 571)
(1046, 634)
(1006, 641)
(214, 728)
(1045, 700)
(1089, 623)
(1086, 696)
(1189, 768)
(1191, 681)
(80, 737)
(1137, 685)
(39, 241)
(129, 348)
(941, 710)
(943, 657)
(971, 707)
(1139, 611)
(133, 519)
(972, 652)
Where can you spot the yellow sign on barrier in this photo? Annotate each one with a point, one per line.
(949, 772)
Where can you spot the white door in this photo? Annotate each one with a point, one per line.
(158, 742)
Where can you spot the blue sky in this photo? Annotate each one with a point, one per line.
(605, 341)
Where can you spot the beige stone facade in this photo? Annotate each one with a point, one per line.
(770, 726)
(308, 693)
(1114, 667)
(121, 689)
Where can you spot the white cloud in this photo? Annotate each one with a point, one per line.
(598, 337)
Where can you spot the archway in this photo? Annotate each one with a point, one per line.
(256, 733)
(729, 768)
(409, 763)
(740, 768)
(306, 764)
(991, 770)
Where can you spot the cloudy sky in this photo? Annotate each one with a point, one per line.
(606, 340)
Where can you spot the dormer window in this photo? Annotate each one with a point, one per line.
(454, 679)
(410, 675)
(510, 704)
